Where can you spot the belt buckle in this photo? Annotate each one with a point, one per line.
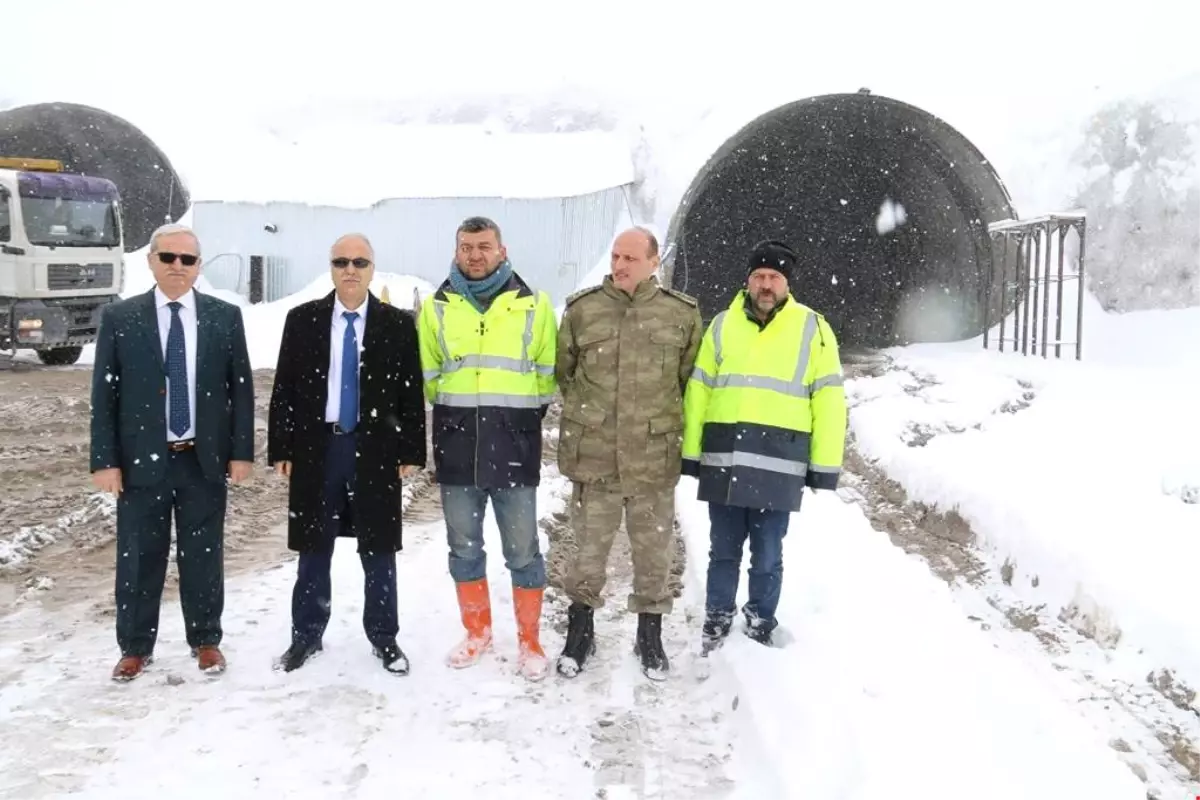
(338, 430)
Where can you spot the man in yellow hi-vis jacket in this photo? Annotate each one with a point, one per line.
(765, 416)
(487, 352)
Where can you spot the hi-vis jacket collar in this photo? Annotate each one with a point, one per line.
(515, 284)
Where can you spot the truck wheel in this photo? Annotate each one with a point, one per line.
(60, 356)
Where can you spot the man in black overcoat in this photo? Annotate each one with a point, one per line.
(172, 425)
(347, 423)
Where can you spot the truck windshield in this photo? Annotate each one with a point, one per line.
(68, 210)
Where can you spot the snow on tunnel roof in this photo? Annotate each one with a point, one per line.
(352, 166)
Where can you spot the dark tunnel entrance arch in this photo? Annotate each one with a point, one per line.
(816, 173)
(94, 142)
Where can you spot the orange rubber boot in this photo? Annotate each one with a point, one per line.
(475, 604)
(531, 660)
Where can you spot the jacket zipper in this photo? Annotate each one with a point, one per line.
(478, 432)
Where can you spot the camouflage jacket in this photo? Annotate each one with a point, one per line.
(622, 366)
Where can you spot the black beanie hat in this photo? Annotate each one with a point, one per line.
(775, 255)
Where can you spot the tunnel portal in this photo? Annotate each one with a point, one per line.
(816, 173)
(94, 142)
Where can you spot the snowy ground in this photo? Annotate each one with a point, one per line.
(341, 727)
(885, 689)
(1071, 491)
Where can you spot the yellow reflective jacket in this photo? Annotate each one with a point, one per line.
(490, 378)
(765, 410)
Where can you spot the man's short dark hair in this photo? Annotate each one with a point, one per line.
(479, 225)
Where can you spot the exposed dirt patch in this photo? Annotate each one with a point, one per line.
(942, 538)
(62, 531)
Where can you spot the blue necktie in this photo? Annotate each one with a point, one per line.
(348, 410)
(177, 374)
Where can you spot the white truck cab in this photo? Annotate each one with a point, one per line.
(61, 257)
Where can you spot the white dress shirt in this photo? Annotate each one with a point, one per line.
(333, 402)
(187, 316)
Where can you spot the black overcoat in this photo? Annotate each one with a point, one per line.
(390, 432)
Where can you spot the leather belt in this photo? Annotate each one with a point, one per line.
(180, 446)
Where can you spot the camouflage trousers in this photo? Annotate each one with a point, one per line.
(649, 519)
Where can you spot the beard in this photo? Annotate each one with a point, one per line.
(766, 301)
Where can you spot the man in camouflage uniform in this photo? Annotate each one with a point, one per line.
(625, 352)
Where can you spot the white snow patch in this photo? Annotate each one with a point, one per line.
(1082, 475)
(885, 689)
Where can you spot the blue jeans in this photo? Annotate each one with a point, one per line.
(731, 526)
(516, 516)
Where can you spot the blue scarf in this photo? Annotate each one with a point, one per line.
(479, 293)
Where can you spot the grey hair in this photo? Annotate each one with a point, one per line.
(362, 237)
(169, 230)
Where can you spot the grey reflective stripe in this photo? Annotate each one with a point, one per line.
(491, 400)
(796, 387)
(521, 365)
(527, 339)
(718, 321)
(440, 310)
(475, 361)
(768, 463)
(432, 374)
(828, 380)
(758, 382)
(820, 468)
(810, 333)
(702, 376)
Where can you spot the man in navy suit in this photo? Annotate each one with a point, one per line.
(172, 425)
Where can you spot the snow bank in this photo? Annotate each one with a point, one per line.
(1082, 475)
(264, 322)
(885, 689)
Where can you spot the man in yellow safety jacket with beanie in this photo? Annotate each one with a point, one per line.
(487, 352)
(765, 416)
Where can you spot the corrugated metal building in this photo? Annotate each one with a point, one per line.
(553, 239)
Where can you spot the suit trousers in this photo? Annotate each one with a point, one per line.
(143, 546)
(313, 590)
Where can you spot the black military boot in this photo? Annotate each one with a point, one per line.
(581, 640)
(649, 648)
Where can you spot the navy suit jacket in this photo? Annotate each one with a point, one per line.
(129, 387)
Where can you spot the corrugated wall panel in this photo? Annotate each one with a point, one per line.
(227, 271)
(552, 242)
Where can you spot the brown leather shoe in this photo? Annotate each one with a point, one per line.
(130, 667)
(210, 660)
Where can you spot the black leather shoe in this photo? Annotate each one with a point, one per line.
(393, 658)
(296, 655)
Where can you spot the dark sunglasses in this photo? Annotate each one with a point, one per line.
(359, 263)
(187, 259)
